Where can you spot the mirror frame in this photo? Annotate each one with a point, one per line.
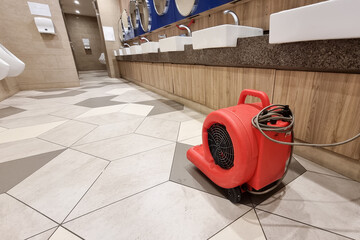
(137, 15)
(196, 3)
(166, 9)
(150, 19)
(126, 30)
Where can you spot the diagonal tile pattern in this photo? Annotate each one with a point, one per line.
(115, 168)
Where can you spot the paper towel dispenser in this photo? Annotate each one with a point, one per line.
(44, 25)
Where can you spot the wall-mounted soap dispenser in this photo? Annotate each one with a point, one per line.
(44, 25)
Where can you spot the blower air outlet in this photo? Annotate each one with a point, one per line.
(221, 146)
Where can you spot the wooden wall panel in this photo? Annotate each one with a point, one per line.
(224, 84)
(326, 107)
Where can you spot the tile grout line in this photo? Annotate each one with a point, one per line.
(230, 223)
(109, 204)
(41, 232)
(53, 232)
(71, 232)
(262, 229)
(173, 159)
(313, 226)
(329, 175)
(201, 190)
(86, 192)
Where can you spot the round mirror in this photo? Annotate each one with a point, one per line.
(186, 7)
(125, 22)
(161, 6)
(134, 14)
(145, 15)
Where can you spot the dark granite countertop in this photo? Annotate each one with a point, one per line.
(256, 52)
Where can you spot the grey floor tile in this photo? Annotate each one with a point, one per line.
(111, 130)
(25, 148)
(159, 128)
(13, 172)
(98, 102)
(311, 166)
(323, 201)
(123, 146)
(186, 173)
(53, 90)
(68, 133)
(295, 170)
(276, 227)
(60, 184)
(18, 221)
(133, 96)
(70, 112)
(169, 210)
(127, 176)
(70, 93)
(8, 111)
(180, 116)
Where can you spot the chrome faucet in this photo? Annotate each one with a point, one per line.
(236, 19)
(187, 28)
(145, 39)
(127, 45)
(162, 36)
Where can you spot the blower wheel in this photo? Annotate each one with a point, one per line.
(234, 194)
(220, 145)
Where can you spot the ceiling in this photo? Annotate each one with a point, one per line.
(85, 7)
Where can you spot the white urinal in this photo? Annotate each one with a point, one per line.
(16, 65)
(4, 69)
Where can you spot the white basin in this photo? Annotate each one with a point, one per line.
(223, 36)
(150, 47)
(4, 69)
(16, 65)
(126, 51)
(336, 19)
(173, 44)
(136, 49)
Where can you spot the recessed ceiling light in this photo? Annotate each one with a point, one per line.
(77, 11)
(77, 2)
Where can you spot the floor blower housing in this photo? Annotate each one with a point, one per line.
(235, 153)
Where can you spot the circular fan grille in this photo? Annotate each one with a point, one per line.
(221, 147)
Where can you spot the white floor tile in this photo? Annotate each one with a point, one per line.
(63, 234)
(25, 148)
(110, 118)
(190, 129)
(17, 134)
(29, 121)
(180, 116)
(68, 133)
(17, 221)
(60, 184)
(102, 110)
(159, 128)
(137, 109)
(193, 141)
(2, 129)
(126, 177)
(111, 130)
(323, 201)
(123, 146)
(43, 236)
(72, 111)
(118, 91)
(245, 228)
(168, 211)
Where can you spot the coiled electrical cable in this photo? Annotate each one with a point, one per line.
(271, 114)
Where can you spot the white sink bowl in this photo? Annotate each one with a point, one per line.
(125, 51)
(16, 65)
(174, 44)
(4, 69)
(336, 19)
(223, 36)
(136, 49)
(150, 47)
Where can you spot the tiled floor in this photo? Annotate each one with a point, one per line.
(107, 160)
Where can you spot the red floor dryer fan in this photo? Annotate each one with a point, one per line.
(235, 155)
